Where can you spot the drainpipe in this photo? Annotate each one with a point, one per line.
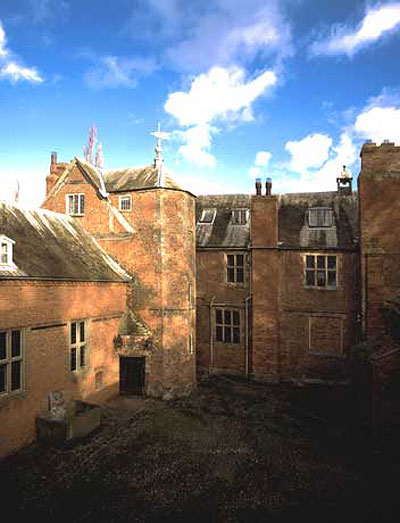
(211, 336)
(248, 298)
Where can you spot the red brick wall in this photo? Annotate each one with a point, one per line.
(24, 305)
(212, 288)
(160, 252)
(285, 329)
(379, 196)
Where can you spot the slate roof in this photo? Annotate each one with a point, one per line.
(293, 220)
(294, 230)
(222, 232)
(54, 246)
(130, 178)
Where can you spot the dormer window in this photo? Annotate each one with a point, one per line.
(320, 217)
(6, 251)
(239, 216)
(207, 216)
(125, 203)
(75, 204)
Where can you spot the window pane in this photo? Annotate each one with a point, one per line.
(231, 259)
(227, 335)
(310, 277)
(231, 274)
(82, 204)
(3, 378)
(239, 276)
(321, 262)
(321, 278)
(15, 375)
(82, 331)
(73, 359)
(332, 279)
(227, 317)
(218, 316)
(82, 357)
(239, 260)
(15, 343)
(236, 320)
(219, 334)
(3, 354)
(331, 262)
(73, 332)
(236, 335)
(4, 255)
(310, 262)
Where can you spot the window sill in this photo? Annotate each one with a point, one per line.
(78, 375)
(5, 398)
(310, 288)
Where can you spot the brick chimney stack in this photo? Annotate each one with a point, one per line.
(52, 178)
(258, 186)
(268, 187)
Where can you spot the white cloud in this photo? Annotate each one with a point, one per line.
(220, 96)
(379, 124)
(377, 22)
(262, 158)
(10, 69)
(16, 72)
(310, 152)
(254, 172)
(45, 11)
(196, 35)
(197, 144)
(114, 71)
(302, 175)
(222, 93)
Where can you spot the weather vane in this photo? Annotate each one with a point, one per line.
(160, 135)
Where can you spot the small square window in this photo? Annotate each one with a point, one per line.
(207, 216)
(235, 264)
(239, 216)
(321, 271)
(6, 251)
(227, 325)
(76, 204)
(320, 217)
(125, 203)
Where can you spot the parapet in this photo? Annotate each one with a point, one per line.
(384, 158)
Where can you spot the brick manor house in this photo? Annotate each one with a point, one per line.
(125, 282)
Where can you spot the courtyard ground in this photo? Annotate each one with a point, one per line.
(233, 452)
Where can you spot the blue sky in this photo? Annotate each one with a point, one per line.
(283, 88)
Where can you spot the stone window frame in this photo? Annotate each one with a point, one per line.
(233, 269)
(320, 217)
(121, 204)
(239, 216)
(210, 212)
(322, 273)
(78, 204)
(227, 325)
(75, 345)
(7, 359)
(6, 251)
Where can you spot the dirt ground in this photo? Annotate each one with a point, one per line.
(233, 452)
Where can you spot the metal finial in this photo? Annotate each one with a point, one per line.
(160, 135)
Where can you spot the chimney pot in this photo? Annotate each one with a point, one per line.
(258, 186)
(268, 187)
